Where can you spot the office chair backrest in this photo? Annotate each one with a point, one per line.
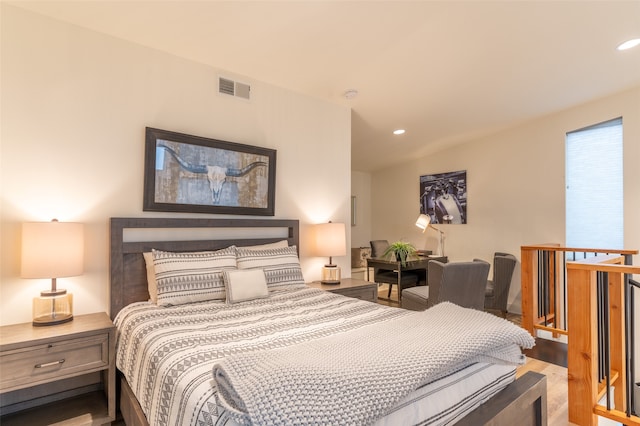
(462, 283)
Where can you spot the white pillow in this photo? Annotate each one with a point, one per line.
(245, 284)
(191, 276)
(152, 285)
(281, 265)
(277, 244)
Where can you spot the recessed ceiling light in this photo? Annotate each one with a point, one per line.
(350, 93)
(629, 44)
(398, 132)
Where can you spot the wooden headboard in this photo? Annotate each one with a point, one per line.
(128, 272)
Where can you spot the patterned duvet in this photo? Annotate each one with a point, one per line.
(167, 353)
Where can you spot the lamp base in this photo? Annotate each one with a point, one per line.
(51, 320)
(52, 307)
(330, 274)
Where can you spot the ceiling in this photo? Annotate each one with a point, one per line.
(446, 71)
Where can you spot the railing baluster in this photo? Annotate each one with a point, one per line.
(602, 330)
(564, 290)
(628, 312)
(542, 288)
(543, 274)
(605, 332)
(538, 287)
(542, 306)
(547, 284)
(599, 328)
(630, 345)
(555, 287)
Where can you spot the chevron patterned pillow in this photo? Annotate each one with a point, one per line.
(281, 265)
(188, 277)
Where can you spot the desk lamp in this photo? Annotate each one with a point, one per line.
(424, 222)
(330, 241)
(52, 250)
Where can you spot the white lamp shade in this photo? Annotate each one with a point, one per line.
(331, 239)
(52, 249)
(423, 222)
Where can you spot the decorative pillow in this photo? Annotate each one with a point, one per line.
(277, 244)
(246, 284)
(152, 285)
(281, 265)
(191, 276)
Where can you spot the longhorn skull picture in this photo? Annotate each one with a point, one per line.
(217, 175)
(192, 174)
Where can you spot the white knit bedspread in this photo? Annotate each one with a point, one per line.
(355, 377)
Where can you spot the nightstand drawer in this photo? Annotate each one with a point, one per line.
(365, 293)
(351, 287)
(40, 363)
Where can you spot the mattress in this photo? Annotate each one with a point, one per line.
(167, 354)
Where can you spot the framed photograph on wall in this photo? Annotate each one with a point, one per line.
(185, 173)
(443, 196)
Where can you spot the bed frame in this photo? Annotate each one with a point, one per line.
(523, 402)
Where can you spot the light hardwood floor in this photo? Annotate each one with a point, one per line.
(557, 404)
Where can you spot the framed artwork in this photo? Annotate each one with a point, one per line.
(443, 196)
(192, 174)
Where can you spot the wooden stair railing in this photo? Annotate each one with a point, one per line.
(561, 295)
(543, 284)
(595, 364)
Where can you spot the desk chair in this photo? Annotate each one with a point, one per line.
(388, 276)
(462, 283)
(497, 290)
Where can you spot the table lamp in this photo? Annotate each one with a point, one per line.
(424, 222)
(330, 241)
(52, 250)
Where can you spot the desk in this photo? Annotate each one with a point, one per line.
(419, 264)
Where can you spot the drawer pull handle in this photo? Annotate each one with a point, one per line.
(49, 364)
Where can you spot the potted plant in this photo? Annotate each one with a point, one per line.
(401, 250)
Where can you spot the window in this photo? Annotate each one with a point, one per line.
(594, 187)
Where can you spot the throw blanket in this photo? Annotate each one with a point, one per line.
(355, 377)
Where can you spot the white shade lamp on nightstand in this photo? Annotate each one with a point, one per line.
(424, 222)
(52, 250)
(330, 241)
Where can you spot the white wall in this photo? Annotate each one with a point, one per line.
(515, 182)
(75, 104)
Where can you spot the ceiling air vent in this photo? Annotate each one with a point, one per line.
(234, 88)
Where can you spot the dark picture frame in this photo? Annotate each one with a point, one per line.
(193, 174)
(443, 197)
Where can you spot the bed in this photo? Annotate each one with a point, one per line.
(224, 341)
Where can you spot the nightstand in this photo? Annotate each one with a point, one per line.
(351, 287)
(36, 361)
